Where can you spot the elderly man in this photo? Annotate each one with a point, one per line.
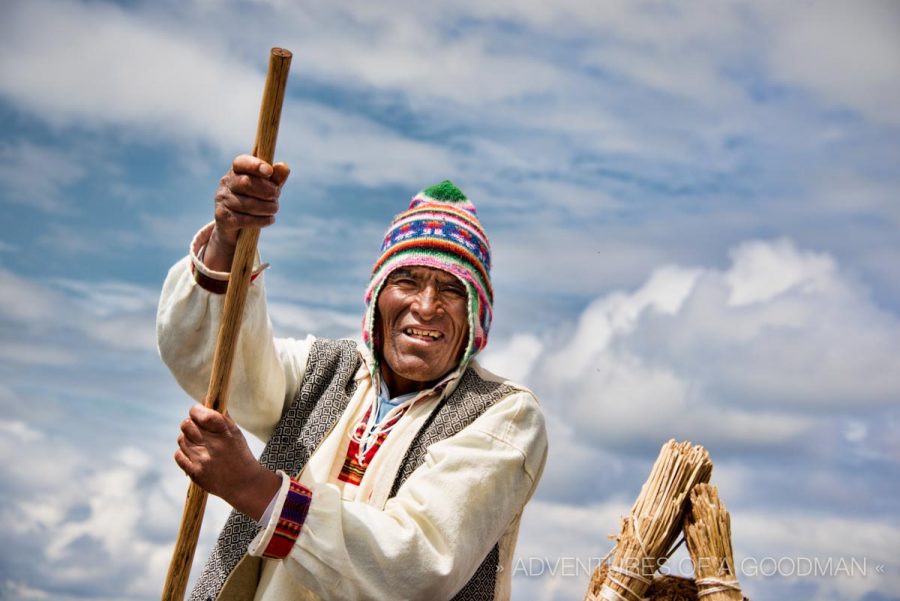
(393, 469)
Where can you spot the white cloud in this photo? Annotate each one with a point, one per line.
(763, 270)
(625, 402)
(616, 315)
(35, 176)
(869, 541)
(19, 590)
(751, 356)
(99, 65)
(846, 52)
(117, 315)
(112, 512)
(19, 430)
(47, 354)
(559, 544)
(291, 319)
(325, 145)
(514, 359)
(23, 300)
(108, 298)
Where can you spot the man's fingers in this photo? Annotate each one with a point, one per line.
(191, 432)
(183, 462)
(184, 447)
(233, 220)
(246, 163)
(231, 424)
(247, 205)
(252, 185)
(280, 174)
(208, 420)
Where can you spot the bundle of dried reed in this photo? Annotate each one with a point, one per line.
(647, 535)
(707, 530)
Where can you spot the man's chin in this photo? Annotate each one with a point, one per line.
(413, 368)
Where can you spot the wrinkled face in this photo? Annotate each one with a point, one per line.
(423, 325)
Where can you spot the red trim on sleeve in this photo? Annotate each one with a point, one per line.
(293, 514)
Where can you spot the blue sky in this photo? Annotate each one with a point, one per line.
(693, 210)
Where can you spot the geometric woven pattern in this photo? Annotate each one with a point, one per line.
(324, 394)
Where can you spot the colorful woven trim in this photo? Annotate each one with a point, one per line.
(354, 469)
(211, 284)
(293, 514)
(440, 229)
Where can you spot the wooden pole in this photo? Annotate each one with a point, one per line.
(232, 313)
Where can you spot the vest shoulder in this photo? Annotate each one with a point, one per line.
(336, 344)
(489, 376)
(334, 349)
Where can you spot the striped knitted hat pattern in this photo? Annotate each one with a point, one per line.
(440, 229)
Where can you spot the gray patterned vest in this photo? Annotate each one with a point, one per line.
(325, 392)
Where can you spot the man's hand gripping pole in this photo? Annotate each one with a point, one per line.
(238, 284)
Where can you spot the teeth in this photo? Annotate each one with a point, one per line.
(417, 332)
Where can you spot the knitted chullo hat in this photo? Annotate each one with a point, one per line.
(440, 229)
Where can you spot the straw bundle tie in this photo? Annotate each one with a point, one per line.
(718, 586)
(609, 594)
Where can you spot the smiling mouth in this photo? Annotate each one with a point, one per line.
(423, 334)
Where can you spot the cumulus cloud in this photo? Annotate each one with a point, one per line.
(644, 365)
(740, 356)
(87, 524)
(515, 358)
(763, 271)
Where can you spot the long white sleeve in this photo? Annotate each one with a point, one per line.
(266, 373)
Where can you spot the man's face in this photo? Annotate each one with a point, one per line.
(423, 321)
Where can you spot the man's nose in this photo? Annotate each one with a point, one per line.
(427, 303)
